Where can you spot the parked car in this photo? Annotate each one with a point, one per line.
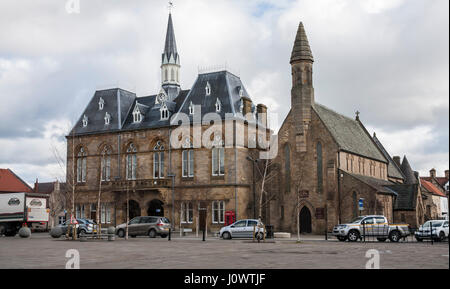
(84, 226)
(439, 230)
(242, 229)
(371, 226)
(145, 226)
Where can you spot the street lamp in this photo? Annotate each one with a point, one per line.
(173, 195)
(254, 185)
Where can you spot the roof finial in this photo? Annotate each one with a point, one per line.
(170, 7)
(357, 114)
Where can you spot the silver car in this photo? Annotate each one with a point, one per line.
(242, 229)
(145, 226)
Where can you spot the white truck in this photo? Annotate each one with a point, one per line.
(371, 226)
(17, 209)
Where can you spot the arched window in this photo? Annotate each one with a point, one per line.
(287, 168)
(166, 75)
(218, 105)
(218, 157)
(106, 164)
(107, 118)
(191, 109)
(85, 121)
(164, 112)
(172, 75)
(101, 104)
(208, 89)
(319, 168)
(81, 165)
(158, 161)
(131, 164)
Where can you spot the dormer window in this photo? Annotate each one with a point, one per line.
(137, 115)
(241, 106)
(208, 89)
(218, 106)
(191, 109)
(164, 112)
(241, 92)
(85, 121)
(107, 118)
(101, 104)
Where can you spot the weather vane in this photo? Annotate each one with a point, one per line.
(170, 6)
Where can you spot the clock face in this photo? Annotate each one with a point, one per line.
(162, 97)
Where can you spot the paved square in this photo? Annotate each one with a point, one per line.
(41, 251)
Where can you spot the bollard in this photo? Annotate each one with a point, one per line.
(204, 235)
(170, 234)
(254, 233)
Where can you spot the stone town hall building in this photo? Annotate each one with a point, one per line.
(121, 142)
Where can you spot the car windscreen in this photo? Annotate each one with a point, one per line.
(357, 220)
(435, 224)
(165, 220)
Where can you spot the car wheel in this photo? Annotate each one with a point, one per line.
(353, 236)
(394, 236)
(419, 240)
(121, 233)
(133, 236)
(82, 232)
(441, 236)
(381, 239)
(164, 236)
(226, 236)
(152, 234)
(342, 238)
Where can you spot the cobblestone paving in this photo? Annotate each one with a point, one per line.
(41, 251)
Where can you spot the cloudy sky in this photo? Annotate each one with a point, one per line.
(389, 59)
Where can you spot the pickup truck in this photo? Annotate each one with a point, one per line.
(19, 209)
(372, 226)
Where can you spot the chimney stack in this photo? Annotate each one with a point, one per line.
(262, 114)
(433, 173)
(447, 174)
(397, 160)
(247, 102)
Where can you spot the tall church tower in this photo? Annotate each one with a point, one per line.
(170, 66)
(302, 94)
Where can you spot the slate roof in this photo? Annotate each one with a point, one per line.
(382, 186)
(10, 182)
(406, 196)
(301, 50)
(225, 86)
(120, 104)
(393, 170)
(44, 188)
(350, 135)
(410, 177)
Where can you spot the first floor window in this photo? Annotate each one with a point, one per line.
(187, 210)
(218, 212)
(81, 166)
(218, 161)
(188, 163)
(106, 214)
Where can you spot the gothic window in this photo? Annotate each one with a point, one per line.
(187, 212)
(158, 161)
(287, 167)
(188, 160)
(218, 212)
(106, 164)
(164, 112)
(107, 118)
(172, 75)
(85, 121)
(218, 157)
(137, 116)
(101, 104)
(166, 75)
(191, 108)
(131, 164)
(218, 105)
(208, 89)
(81, 166)
(319, 168)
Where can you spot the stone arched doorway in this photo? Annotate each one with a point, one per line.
(305, 220)
(155, 208)
(135, 209)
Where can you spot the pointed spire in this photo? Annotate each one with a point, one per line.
(406, 169)
(170, 48)
(301, 51)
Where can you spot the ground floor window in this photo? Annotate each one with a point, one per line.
(218, 212)
(106, 214)
(79, 212)
(187, 210)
